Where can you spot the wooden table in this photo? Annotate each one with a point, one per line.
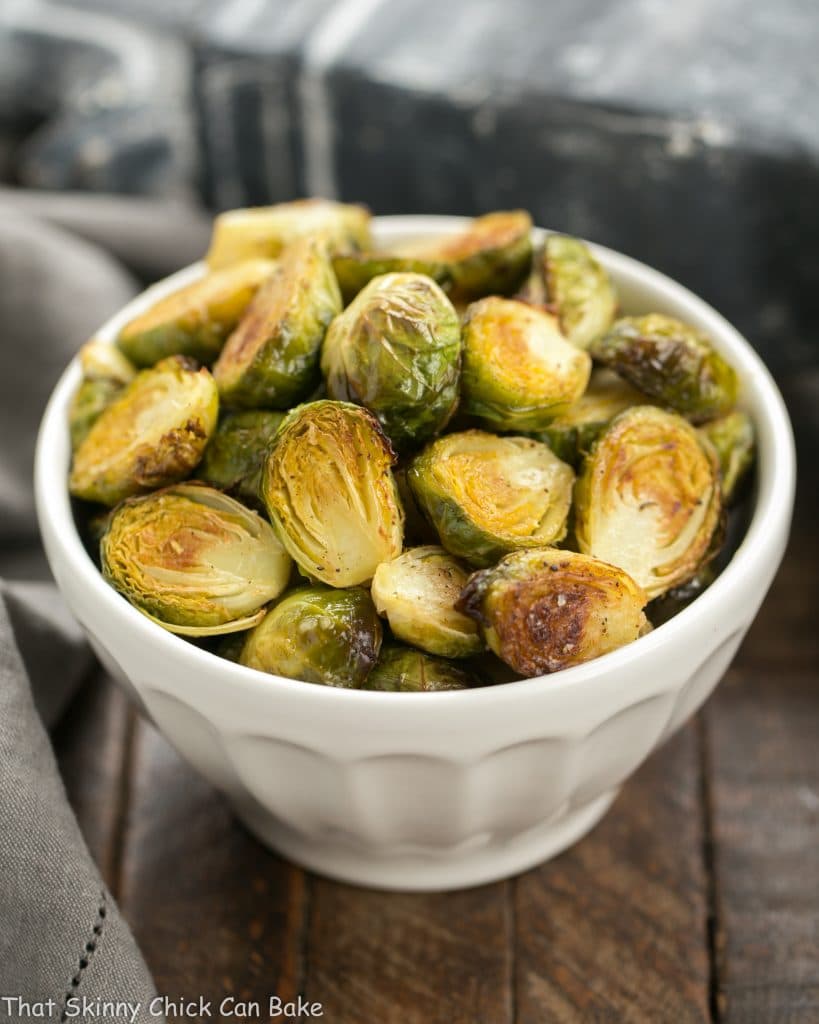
(696, 899)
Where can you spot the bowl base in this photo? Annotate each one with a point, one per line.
(428, 871)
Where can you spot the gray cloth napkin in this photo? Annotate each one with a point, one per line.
(62, 938)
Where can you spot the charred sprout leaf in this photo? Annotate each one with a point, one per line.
(490, 257)
(544, 610)
(417, 592)
(519, 371)
(404, 670)
(648, 498)
(733, 439)
(238, 450)
(354, 270)
(264, 231)
(271, 359)
(105, 372)
(194, 560)
(153, 434)
(396, 350)
(487, 495)
(329, 490)
(319, 635)
(196, 320)
(670, 362)
(579, 289)
(572, 434)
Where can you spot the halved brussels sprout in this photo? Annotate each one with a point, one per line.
(571, 434)
(519, 371)
(733, 439)
(544, 610)
(153, 434)
(271, 359)
(105, 372)
(578, 289)
(329, 490)
(234, 458)
(318, 635)
(396, 349)
(487, 495)
(417, 592)
(354, 270)
(263, 231)
(405, 670)
(490, 257)
(196, 320)
(194, 560)
(671, 362)
(648, 498)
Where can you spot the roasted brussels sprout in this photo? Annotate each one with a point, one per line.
(194, 560)
(417, 592)
(648, 498)
(271, 359)
(396, 349)
(405, 670)
(354, 270)
(578, 289)
(670, 362)
(153, 434)
(571, 434)
(490, 257)
(544, 610)
(196, 320)
(238, 450)
(733, 439)
(329, 490)
(317, 634)
(263, 231)
(519, 371)
(487, 495)
(105, 372)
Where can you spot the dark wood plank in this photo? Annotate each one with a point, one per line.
(215, 913)
(411, 959)
(615, 929)
(762, 730)
(92, 743)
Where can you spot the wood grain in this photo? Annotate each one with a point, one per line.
(615, 929)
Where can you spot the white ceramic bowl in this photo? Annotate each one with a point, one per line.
(440, 790)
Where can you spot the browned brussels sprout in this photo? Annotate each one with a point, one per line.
(329, 490)
(194, 560)
(396, 350)
(648, 498)
(263, 231)
(105, 372)
(319, 635)
(490, 257)
(238, 450)
(417, 592)
(519, 371)
(354, 270)
(196, 320)
(543, 610)
(670, 362)
(271, 359)
(571, 434)
(578, 289)
(487, 495)
(733, 439)
(153, 434)
(405, 670)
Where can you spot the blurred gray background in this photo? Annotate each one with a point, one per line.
(685, 134)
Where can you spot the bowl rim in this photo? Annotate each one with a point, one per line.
(770, 517)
